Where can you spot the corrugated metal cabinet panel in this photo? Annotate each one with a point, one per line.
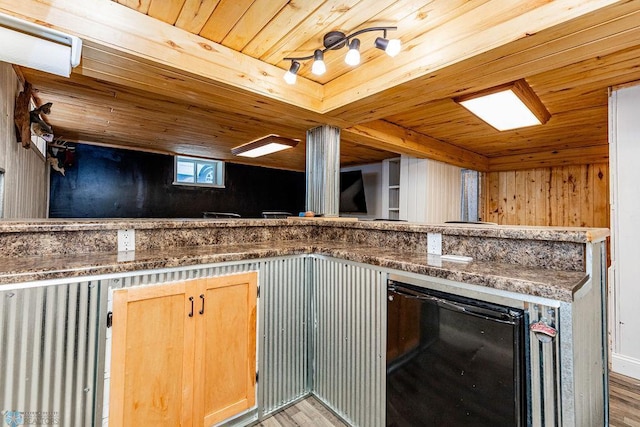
(349, 340)
(48, 353)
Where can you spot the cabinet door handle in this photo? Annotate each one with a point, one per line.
(191, 313)
(202, 309)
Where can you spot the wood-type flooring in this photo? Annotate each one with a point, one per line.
(624, 411)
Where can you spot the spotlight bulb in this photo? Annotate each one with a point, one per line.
(393, 48)
(353, 56)
(291, 75)
(318, 68)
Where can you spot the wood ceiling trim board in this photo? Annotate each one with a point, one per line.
(412, 19)
(420, 58)
(223, 19)
(274, 118)
(194, 14)
(589, 75)
(389, 137)
(289, 19)
(141, 6)
(166, 11)
(252, 22)
(554, 158)
(347, 22)
(124, 70)
(161, 119)
(376, 58)
(327, 17)
(167, 122)
(147, 38)
(412, 24)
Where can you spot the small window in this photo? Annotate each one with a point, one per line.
(200, 172)
(38, 143)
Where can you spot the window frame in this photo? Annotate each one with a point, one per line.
(219, 170)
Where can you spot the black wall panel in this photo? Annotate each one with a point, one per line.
(114, 183)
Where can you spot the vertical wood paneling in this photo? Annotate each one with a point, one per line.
(601, 194)
(25, 172)
(572, 196)
(520, 210)
(492, 201)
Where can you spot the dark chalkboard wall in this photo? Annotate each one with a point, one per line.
(115, 183)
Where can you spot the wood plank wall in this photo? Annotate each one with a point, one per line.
(25, 173)
(569, 196)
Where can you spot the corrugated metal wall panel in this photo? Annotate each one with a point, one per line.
(588, 345)
(48, 352)
(167, 276)
(284, 333)
(349, 342)
(544, 366)
(323, 170)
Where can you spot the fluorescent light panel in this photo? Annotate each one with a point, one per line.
(263, 146)
(507, 107)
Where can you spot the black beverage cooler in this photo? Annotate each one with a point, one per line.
(453, 361)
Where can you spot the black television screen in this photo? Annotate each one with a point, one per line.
(352, 199)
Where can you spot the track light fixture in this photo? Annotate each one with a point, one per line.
(335, 40)
(290, 76)
(318, 68)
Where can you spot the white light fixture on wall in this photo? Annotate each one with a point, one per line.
(30, 45)
(334, 40)
(510, 106)
(263, 146)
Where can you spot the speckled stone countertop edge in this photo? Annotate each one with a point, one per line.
(561, 234)
(557, 285)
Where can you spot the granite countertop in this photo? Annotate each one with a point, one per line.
(553, 284)
(558, 234)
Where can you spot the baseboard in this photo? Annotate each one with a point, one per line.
(625, 365)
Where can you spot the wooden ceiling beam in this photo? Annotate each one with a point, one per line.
(387, 136)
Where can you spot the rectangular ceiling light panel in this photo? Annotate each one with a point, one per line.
(263, 146)
(507, 107)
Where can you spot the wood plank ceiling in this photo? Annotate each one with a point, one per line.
(200, 77)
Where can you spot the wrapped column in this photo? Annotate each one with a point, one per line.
(323, 170)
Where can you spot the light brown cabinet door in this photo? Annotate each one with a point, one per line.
(225, 365)
(183, 354)
(152, 357)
